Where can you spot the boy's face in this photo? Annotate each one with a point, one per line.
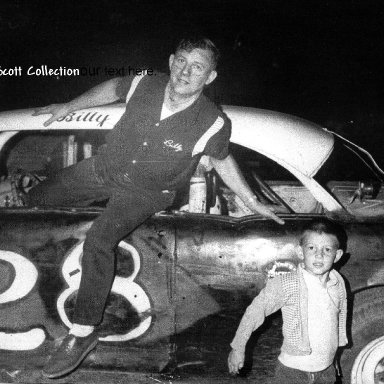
(319, 251)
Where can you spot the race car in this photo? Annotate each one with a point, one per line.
(191, 261)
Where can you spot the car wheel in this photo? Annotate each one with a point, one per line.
(368, 366)
(367, 325)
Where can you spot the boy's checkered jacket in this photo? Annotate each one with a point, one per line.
(288, 292)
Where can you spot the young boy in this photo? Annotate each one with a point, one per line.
(314, 307)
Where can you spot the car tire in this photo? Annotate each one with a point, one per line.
(367, 325)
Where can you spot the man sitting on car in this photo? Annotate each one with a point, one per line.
(153, 150)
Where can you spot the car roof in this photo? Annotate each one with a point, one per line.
(290, 141)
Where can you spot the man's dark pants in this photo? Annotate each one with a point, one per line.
(127, 207)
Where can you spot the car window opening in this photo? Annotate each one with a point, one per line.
(30, 157)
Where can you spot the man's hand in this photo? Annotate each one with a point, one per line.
(235, 361)
(56, 110)
(230, 172)
(257, 207)
(104, 93)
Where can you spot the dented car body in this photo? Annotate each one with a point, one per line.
(179, 266)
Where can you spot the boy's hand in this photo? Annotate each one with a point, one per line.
(235, 361)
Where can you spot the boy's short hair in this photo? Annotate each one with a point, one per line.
(191, 43)
(327, 226)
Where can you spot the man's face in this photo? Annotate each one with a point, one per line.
(191, 71)
(319, 251)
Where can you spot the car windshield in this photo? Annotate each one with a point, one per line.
(274, 184)
(350, 175)
(348, 164)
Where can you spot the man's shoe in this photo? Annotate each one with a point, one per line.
(71, 352)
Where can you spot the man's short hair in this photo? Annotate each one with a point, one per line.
(191, 43)
(329, 227)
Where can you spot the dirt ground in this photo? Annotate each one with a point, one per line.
(201, 359)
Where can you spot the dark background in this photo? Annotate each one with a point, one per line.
(321, 60)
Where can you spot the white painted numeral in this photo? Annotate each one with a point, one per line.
(124, 286)
(24, 281)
